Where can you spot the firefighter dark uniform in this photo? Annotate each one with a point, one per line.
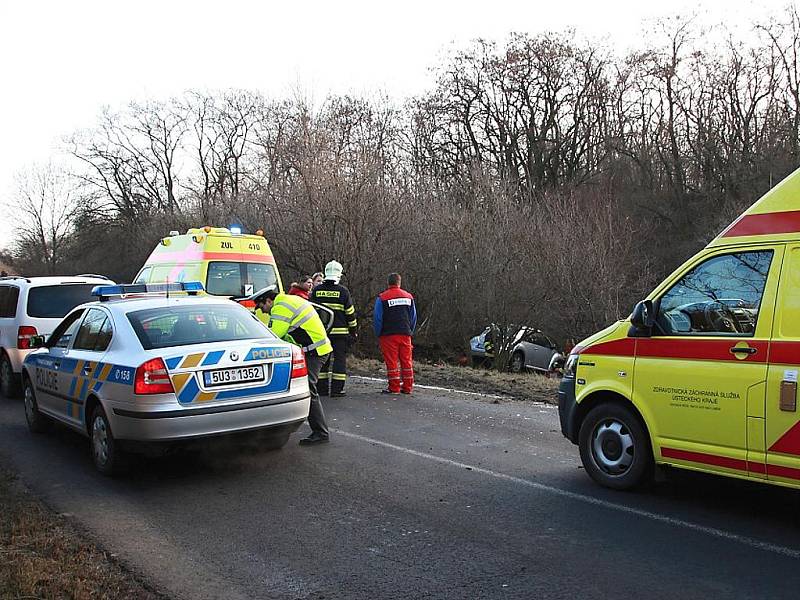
(334, 369)
(293, 319)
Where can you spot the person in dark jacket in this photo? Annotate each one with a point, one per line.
(331, 294)
(395, 318)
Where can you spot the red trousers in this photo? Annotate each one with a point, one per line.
(396, 347)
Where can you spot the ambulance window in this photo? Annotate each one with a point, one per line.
(260, 275)
(721, 296)
(144, 275)
(224, 279)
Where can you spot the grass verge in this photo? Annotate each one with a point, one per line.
(42, 555)
(517, 386)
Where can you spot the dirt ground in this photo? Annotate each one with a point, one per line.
(43, 555)
(513, 386)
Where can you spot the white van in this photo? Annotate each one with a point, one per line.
(32, 306)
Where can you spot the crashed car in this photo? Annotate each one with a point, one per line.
(530, 350)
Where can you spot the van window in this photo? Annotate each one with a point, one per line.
(9, 295)
(721, 296)
(54, 301)
(230, 278)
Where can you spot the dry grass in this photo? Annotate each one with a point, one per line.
(43, 556)
(524, 386)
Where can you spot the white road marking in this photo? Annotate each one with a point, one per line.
(433, 387)
(713, 531)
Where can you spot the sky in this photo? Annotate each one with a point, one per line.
(62, 62)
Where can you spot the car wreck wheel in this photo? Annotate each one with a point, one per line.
(517, 362)
(614, 447)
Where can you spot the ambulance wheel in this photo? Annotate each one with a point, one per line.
(105, 451)
(8, 381)
(37, 422)
(615, 448)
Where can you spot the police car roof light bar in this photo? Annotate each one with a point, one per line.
(104, 292)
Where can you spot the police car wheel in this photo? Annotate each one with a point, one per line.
(614, 447)
(37, 422)
(8, 381)
(104, 449)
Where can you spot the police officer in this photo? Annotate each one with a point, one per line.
(337, 298)
(293, 319)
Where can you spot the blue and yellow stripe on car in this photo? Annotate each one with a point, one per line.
(187, 388)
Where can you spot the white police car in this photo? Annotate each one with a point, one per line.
(149, 363)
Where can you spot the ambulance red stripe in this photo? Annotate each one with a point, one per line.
(787, 221)
(684, 348)
(731, 463)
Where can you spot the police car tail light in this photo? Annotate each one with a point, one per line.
(299, 368)
(153, 378)
(24, 335)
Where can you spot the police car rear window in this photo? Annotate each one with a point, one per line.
(184, 325)
(55, 301)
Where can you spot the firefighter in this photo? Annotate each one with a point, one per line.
(331, 294)
(293, 319)
(395, 318)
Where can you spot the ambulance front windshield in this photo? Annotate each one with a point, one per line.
(239, 279)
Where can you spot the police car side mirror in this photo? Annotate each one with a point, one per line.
(643, 318)
(37, 341)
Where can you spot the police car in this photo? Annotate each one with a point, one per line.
(159, 363)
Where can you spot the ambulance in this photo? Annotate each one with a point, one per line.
(226, 261)
(703, 374)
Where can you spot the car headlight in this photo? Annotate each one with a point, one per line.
(571, 365)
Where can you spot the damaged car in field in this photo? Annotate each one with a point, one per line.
(529, 349)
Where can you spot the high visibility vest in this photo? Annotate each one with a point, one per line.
(295, 320)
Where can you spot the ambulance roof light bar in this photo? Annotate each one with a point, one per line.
(104, 292)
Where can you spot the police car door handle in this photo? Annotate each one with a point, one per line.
(743, 350)
(87, 370)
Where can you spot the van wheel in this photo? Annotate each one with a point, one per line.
(105, 450)
(8, 381)
(615, 448)
(37, 422)
(517, 364)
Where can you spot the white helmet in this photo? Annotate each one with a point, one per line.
(333, 270)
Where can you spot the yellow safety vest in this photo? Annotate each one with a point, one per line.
(295, 320)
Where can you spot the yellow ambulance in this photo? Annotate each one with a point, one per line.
(703, 375)
(226, 261)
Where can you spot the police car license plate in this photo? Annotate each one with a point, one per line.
(237, 375)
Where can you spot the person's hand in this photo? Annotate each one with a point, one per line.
(354, 336)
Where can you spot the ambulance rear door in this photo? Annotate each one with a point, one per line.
(782, 415)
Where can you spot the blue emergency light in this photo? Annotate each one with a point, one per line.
(235, 230)
(104, 292)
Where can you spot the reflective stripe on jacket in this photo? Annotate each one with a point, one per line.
(295, 320)
(338, 299)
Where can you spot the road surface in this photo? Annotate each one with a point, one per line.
(437, 495)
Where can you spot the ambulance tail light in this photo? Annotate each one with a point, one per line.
(299, 368)
(24, 335)
(152, 377)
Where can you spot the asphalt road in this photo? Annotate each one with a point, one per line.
(438, 495)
